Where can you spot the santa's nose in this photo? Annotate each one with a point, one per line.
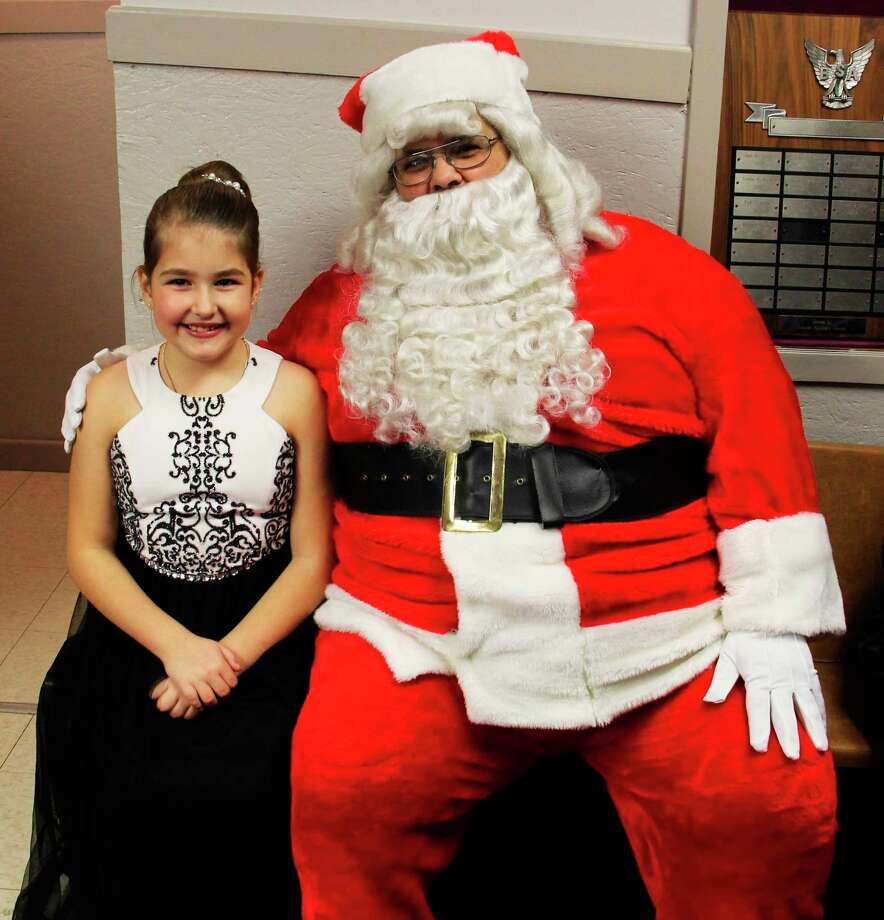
(444, 175)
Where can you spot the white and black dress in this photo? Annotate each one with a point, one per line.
(137, 814)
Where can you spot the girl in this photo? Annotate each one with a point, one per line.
(199, 522)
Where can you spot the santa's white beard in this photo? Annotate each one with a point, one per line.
(466, 320)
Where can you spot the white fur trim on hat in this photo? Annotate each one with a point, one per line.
(470, 70)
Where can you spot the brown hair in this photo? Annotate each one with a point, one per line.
(197, 199)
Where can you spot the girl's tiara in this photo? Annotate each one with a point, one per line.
(229, 182)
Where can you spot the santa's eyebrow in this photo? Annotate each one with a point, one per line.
(417, 147)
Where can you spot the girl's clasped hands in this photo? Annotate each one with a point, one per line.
(198, 672)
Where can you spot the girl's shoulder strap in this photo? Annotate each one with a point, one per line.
(144, 374)
(261, 371)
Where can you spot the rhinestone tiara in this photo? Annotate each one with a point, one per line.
(229, 182)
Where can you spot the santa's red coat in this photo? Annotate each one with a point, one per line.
(569, 628)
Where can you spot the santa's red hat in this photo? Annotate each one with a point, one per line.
(485, 68)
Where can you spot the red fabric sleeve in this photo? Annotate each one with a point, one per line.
(759, 464)
(775, 558)
(307, 331)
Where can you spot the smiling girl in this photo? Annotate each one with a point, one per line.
(199, 521)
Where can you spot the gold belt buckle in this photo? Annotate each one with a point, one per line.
(450, 522)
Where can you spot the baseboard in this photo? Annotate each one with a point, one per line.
(23, 454)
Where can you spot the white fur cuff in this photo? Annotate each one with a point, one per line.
(779, 577)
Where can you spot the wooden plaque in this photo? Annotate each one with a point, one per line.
(801, 220)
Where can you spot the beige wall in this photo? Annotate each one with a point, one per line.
(60, 231)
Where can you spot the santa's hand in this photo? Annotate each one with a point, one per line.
(779, 676)
(75, 398)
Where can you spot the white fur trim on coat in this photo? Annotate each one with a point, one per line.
(519, 653)
(470, 70)
(779, 577)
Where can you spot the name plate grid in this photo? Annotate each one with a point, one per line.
(819, 215)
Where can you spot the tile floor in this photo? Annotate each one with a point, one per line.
(36, 599)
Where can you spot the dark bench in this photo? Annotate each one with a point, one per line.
(850, 480)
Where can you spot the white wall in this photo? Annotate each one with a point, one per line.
(660, 21)
(282, 131)
(842, 414)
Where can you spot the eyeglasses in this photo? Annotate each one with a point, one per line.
(461, 153)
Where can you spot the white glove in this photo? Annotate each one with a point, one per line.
(779, 676)
(75, 398)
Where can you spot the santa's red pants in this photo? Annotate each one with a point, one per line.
(385, 774)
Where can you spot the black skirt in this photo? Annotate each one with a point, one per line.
(139, 815)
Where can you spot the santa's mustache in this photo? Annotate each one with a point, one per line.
(465, 320)
(469, 234)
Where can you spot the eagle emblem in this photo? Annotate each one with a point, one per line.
(836, 77)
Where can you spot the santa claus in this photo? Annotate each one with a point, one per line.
(572, 476)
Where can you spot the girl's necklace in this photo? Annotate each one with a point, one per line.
(165, 367)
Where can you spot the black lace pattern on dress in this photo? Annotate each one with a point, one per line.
(126, 505)
(203, 535)
(279, 514)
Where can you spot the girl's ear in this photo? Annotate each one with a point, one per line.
(257, 284)
(144, 285)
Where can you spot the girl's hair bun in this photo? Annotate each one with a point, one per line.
(214, 194)
(218, 171)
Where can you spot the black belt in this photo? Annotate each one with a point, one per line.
(549, 484)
